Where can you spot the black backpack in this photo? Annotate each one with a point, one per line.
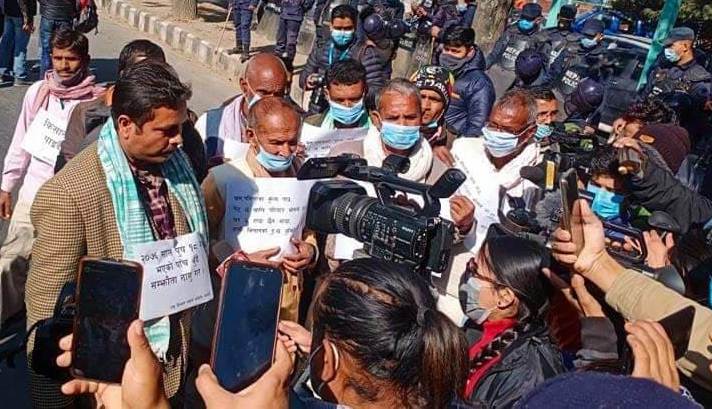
(88, 19)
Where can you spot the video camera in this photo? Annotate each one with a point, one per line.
(419, 238)
(318, 102)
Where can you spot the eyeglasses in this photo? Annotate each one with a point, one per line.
(498, 128)
(472, 270)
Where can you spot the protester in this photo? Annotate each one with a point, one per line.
(83, 210)
(18, 26)
(29, 160)
(339, 47)
(290, 21)
(242, 19)
(648, 111)
(473, 94)
(273, 128)
(224, 127)
(547, 107)
(505, 295)
(54, 14)
(506, 147)
(346, 90)
(436, 85)
(685, 73)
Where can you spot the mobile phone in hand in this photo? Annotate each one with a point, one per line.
(108, 298)
(572, 218)
(246, 327)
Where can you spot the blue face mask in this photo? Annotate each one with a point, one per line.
(671, 55)
(607, 205)
(543, 131)
(346, 115)
(342, 37)
(525, 25)
(432, 125)
(461, 7)
(499, 144)
(588, 43)
(400, 136)
(272, 162)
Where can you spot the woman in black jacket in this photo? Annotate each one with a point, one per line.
(506, 296)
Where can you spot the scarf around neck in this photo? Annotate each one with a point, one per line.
(421, 159)
(52, 85)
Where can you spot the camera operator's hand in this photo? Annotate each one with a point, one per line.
(295, 337)
(271, 391)
(627, 142)
(593, 262)
(576, 294)
(653, 353)
(658, 249)
(463, 213)
(435, 31)
(311, 82)
(296, 263)
(443, 153)
(141, 384)
(5, 205)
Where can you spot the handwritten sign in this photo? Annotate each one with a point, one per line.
(319, 142)
(235, 150)
(266, 213)
(44, 137)
(175, 275)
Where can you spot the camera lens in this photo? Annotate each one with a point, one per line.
(347, 210)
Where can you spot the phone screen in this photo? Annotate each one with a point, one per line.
(572, 211)
(108, 298)
(246, 328)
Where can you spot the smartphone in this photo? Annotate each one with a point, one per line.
(678, 327)
(568, 185)
(246, 327)
(107, 301)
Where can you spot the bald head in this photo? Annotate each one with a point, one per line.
(265, 75)
(274, 124)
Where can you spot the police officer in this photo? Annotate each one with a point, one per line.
(680, 71)
(530, 69)
(290, 20)
(242, 19)
(582, 107)
(515, 39)
(583, 59)
(559, 37)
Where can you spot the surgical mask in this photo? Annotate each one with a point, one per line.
(316, 382)
(400, 136)
(433, 124)
(588, 42)
(607, 205)
(342, 37)
(255, 96)
(346, 115)
(452, 63)
(461, 7)
(672, 55)
(543, 131)
(469, 296)
(498, 143)
(525, 25)
(272, 162)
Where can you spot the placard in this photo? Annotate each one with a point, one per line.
(175, 275)
(263, 213)
(44, 137)
(319, 141)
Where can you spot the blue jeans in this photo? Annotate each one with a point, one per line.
(13, 48)
(47, 27)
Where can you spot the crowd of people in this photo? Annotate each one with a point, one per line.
(541, 305)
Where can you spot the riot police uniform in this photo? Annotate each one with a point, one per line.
(515, 39)
(242, 19)
(290, 21)
(558, 38)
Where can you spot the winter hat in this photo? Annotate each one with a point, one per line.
(671, 141)
(583, 390)
(435, 78)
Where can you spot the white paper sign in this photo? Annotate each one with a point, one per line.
(235, 150)
(265, 212)
(175, 275)
(319, 142)
(44, 137)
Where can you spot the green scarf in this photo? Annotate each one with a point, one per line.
(131, 220)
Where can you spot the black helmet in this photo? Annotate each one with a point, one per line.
(529, 64)
(586, 98)
(679, 101)
(568, 12)
(374, 27)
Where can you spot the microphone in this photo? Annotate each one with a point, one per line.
(548, 211)
(534, 174)
(543, 175)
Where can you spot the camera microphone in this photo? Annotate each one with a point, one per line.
(533, 174)
(543, 175)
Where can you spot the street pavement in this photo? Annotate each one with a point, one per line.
(209, 90)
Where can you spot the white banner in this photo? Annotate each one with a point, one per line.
(319, 142)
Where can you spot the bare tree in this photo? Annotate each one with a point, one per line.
(185, 9)
(490, 22)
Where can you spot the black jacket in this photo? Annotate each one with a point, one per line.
(658, 189)
(529, 361)
(63, 10)
(319, 61)
(376, 59)
(474, 96)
